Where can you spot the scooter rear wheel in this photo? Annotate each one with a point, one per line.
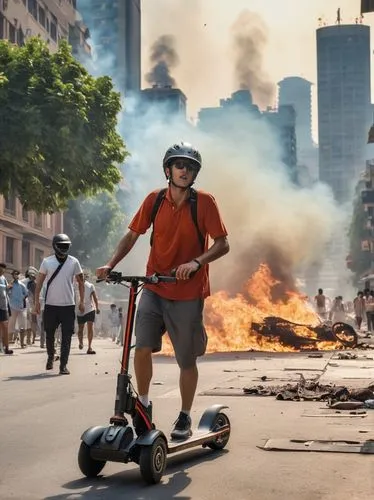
(221, 441)
(88, 466)
(152, 461)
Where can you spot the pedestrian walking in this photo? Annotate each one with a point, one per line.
(59, 270)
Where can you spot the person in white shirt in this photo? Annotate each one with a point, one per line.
(91, 306)
(114, 322)
(60, 270)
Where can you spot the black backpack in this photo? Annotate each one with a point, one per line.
(193, 204)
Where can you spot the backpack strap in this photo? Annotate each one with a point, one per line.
(58, 269)
(160, 197)
(193, 205)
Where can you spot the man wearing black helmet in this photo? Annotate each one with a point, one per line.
(183, 220)
(60, 270)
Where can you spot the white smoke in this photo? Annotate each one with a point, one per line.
(261, 208)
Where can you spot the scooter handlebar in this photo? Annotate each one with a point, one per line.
(154, 279)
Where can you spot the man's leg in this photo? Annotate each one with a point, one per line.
(90, 331)
(80, 334)
(22, 325)
(149, 328)
(5, 337)
(67, 320)
(184, 323)
(143, 371)
(51, 322)
(187, 383)
(12, 327)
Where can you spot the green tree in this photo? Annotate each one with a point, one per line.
(361, 260)
(94, 225)
(58, 137)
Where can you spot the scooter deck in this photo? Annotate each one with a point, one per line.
(198, 438)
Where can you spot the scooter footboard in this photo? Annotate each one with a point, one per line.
(208, 417)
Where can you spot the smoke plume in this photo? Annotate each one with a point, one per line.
(249, 42)
(163, 58)
(268, 218)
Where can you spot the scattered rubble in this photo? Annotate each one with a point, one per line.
(285, 331)
(312, 390)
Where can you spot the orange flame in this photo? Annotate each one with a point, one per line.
(228, 320)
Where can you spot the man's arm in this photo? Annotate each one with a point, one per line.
(39, 284)
(96, 302)
(123, 248)
(80, 280)
(219, 248)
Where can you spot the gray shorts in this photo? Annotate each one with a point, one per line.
(182, 319)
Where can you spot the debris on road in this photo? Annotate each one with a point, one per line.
(312, 390)
(337, 446)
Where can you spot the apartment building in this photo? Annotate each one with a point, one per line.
(25, 237)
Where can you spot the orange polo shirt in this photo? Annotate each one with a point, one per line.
(175, 241)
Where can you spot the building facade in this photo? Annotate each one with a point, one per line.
(25, 237)
(297, 92)
(239, 112)
(170, 100)
(52, 20)
(115, 28)
(344, 96)
(283, 121)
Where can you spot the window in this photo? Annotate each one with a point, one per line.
(42, 16)
(25, 253)
(32, 8)
(9, 250)
(39, 256)
(12, 33)
(2, 19)
(48, 221)
(25, 215)
(53, 28)
(38, 220)
(20, 37)
(10, 205)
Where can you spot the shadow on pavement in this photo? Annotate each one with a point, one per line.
(130, 483)
(37, 376)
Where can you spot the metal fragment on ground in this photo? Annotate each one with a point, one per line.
(336, 446)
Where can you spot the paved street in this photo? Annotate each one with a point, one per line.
(43, 415)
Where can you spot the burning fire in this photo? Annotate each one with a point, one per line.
(229, 320)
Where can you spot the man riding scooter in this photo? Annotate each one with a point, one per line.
(183, 220)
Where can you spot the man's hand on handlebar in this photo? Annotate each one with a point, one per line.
(102, 272)
(184, 271)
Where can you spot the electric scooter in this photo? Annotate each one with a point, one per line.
(118, 441)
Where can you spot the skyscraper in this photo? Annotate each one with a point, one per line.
(343, 64)
(297, 92)
(115, 28)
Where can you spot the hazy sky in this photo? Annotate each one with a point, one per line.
(203, 30)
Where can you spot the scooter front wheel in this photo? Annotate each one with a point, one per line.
(152, 461)
(88, 466)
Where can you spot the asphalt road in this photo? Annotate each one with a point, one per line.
(43, 414)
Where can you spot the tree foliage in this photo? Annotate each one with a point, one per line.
(94, 225)
(58, 137)
(357, 233)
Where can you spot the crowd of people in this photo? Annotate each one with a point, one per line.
(360, 310)
(21, 326)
